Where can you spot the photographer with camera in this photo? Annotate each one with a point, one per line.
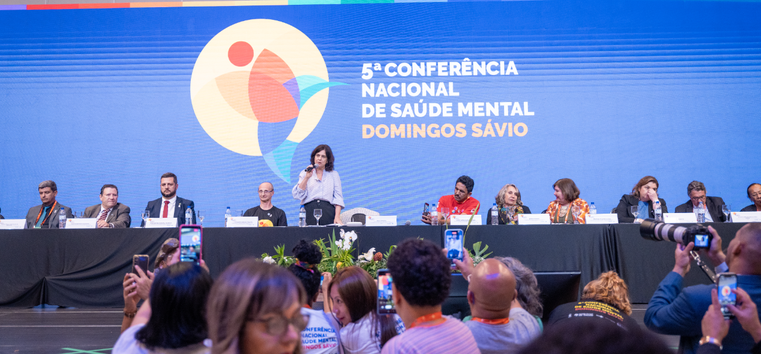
(676, 311)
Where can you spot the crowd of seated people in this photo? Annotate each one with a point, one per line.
(255, 307)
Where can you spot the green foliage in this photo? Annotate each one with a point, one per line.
(279, 257)
(478, 254)
(335, 257)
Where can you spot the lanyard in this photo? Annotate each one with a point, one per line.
(427, 318)
(568, 211)
(46, 217)
(496, 321)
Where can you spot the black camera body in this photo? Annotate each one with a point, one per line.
(660, 231)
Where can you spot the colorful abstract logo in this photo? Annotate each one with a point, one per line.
(258, 88)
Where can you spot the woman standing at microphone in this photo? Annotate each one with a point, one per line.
(319, 187)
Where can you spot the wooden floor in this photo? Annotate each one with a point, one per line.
(53, 330)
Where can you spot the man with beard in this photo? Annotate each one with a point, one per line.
(170, 205)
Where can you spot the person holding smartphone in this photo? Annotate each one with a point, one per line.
(716, 326)
(319, 187)
(459, 203)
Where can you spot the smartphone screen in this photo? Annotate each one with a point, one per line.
(140, 260)
(385, 300)
(702, 241)
(190, 243)
(727, 283)
(425, 209)
(453, 244)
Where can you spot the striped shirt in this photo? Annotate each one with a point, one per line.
(448, 337)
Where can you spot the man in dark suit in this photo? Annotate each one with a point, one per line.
(697, 192)
(754, 194)
(170, 205)
(45, 216)
(110, 213)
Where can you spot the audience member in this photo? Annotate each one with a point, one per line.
(715, 326)
(510, 205)
(353, 300)
(460, 203)
(173, 319)
(268, 214)
(110, 213)
(528, 289)
(254, 307)
(320, 334)
(491, 293)
(676, 311)
(567, 208)
(45, 216)
(595, 337)
(605, 299)
(754, 194)
(697, 193)
(643, 195)
(421, 280)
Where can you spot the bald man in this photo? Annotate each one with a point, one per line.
(269, 215)
(676, 311)
(497, 325)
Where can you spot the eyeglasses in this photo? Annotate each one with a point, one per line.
(265, 192)
(754, 195)
(277, 325)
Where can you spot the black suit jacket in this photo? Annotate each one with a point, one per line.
(751, 207)
(51, 222)
(713, 205)
(119, 216)
(179, 210)
(627, 200)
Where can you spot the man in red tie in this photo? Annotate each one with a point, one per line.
(170, 205)
(110, 213)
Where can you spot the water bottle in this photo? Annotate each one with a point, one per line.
(302, 217)
(434, 215)
(657, 211)
(701, 212)
(228, 215)
(592, 208)
(494, 215)
(62, 219)
(188, 216)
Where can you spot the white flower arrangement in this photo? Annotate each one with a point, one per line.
(367, 257)
(269, 260)
(347, 238)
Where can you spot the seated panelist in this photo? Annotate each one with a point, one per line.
(509, 199)
(697, 193)
(754, 194)
(110, 213)
(459, 203)
(567, 199)
(268, 214)
(643, 194)
(170, 205)
(45, 216)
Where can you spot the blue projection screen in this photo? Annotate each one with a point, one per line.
(408, 95)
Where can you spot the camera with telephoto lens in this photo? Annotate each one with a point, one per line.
(660, 231)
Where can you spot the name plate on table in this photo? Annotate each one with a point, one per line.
(534, 219)
(12, 224)
(81, 223)
(243, 221)
(386, 220)
(746, 216)
(157, 223)
(680, 218)
(602, 218)
(463, 220)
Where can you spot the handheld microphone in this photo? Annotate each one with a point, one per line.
(309, 169)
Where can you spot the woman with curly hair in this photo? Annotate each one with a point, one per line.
(509, 204)
(603, 299)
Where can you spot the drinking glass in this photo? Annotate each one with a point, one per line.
(201, 215)
(318, 215)
(726, 209)
(576, 212)
(635, 211)
(445, 213)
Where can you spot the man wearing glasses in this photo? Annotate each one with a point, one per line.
(269, 215)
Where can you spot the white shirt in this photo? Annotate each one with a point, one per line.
(107, 215)
(708, 215)
(361, 338)
(328, 189)
(320, 336)
(172, 203)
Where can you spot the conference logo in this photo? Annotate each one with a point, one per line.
(259, 88)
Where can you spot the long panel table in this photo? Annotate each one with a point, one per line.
(84, 268)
